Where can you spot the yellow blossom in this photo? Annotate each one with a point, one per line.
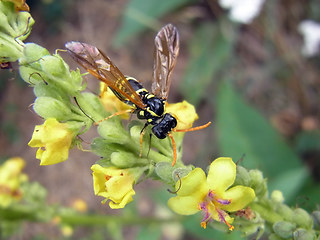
(113, 184)
(10, 180)
(184, 112)
(79, 205)
(111, 103)
(53, 140)
(212, 195)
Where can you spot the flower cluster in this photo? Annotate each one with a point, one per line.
(126, 155)
(10, 180)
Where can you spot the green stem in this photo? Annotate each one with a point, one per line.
(95, 219)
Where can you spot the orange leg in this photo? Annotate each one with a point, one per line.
(174, 149)
(115, 114)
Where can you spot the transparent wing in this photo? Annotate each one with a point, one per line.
(165, 58)
(101, 67)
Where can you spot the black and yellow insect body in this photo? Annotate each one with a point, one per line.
(147, 106)
(154, 111)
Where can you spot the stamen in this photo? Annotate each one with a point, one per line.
(204, 225)
(222, 218)
(223, 201)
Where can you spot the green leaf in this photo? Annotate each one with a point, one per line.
(209, 51)
(140, 14)
(242, 130)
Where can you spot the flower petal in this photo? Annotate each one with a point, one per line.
(184, 112)
(194, 181)
(184, 205)
(127, 198)
(240, 197)
(221, 175)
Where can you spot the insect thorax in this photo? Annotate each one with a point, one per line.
(155, 106)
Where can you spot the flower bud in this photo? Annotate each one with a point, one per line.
(48, 107)
(316, 219)
(44, 90)
(164, 171)
(15, 27)
(242, 177)
(54, 66)
(303, 234)
(127, 160)
(32, 53)
(277, 196)
(283, 229)
(285, 211)
(274, 237)
(113, 131)
(302, 218)
(9, 52)
(258, 183)
(103, 147)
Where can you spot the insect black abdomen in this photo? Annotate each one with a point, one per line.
(167, 123)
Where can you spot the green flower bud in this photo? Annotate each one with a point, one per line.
(9, 52)
(302, 218)
(258, 183)
(180, 172)
(54, 67)
(48, 107)
(303, 234)
(32, 53)
(125, 159)
(242, 177)
(164, 171)
(316, 219)
(103, 147)
(44, 90)
(277, 196)
(274, 237)
(169, 174)
(283, 229)
(113, 131)
(250, 229)
(15, 27)
(285, 211)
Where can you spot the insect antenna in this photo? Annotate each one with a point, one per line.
(76, 101)
(192, 129)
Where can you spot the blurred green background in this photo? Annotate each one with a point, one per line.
(252, 80)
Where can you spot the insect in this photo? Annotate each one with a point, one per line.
(147, 106)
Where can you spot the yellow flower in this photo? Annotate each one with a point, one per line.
(114, 184)
(184, 112)
(111, 103)
(53, 140)
(79, 205)
(10, 180)
(213, 196)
